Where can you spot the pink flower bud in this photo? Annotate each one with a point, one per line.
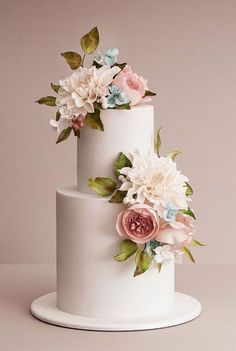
(77, 122)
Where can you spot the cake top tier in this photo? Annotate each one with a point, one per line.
(125, 131)
(90, 91)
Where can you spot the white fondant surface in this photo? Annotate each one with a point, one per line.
(184, 310)
(124, 131)
(89, 281)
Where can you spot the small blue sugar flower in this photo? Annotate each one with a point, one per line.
(117, 97)
(111, 101)
(114, 90)
(111, 56)
(122, 99)
(170, 213)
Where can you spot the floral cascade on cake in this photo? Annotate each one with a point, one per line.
(157, 224)
(107, 84)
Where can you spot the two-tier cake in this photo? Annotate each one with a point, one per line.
(123, 226)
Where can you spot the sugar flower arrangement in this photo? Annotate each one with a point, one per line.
(157, 223)
(107, 84)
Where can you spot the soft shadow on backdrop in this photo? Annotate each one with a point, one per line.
(187, 51)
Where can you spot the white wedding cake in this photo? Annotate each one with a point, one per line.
(121, 229)
(89, 282)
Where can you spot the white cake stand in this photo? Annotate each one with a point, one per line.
(185, 309)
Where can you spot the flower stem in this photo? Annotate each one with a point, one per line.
(82, 63)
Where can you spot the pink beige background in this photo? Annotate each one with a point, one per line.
(187, 51)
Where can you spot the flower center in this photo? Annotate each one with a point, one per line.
(158, 180)
(139, 224)
(132, 84)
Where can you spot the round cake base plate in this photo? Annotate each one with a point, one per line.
(185, 309)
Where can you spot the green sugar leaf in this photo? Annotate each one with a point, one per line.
(93, 120)
(118, 197)
(55, 87)
(123, 107)
(149, 93)
(121, 162)
(64, 135)
(47, 100)
(187, 252)
(120, 65)
(143, 262)
(189, 190)
(188, 212)
(73, 59)
(173, 154)
(89, 42)
(102, 186)
(76, 133)
(157, 142)
(128, 248)
(159, 266)
(196, 243)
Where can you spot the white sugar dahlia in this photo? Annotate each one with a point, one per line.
(78, 92)
(154, 180)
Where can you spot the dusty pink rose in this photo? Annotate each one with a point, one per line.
(132, 85)
(176, 235)
(138, 223)
(77, 122)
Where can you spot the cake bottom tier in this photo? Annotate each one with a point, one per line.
(90, 282)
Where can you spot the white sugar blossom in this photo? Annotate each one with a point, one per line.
(78, 92)
(162, 254)
(63, 123)
(154, 180)
(103, 102)
(178, 257)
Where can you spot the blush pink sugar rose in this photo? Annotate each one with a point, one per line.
(180, 235)
(132, 85)
(138, 223)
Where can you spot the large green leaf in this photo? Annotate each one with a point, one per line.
(102, 186)
(118, 197)
(55, 87)
(173, 154)
(64, 135)
(128, 248)
(121, 162)
(143, 262)
(196, 243)
(188, 212)
(90, 41)
(187, 252)
(73, 59)
(93, 120)
(157, 142)
(189, 190)
(47, 100)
